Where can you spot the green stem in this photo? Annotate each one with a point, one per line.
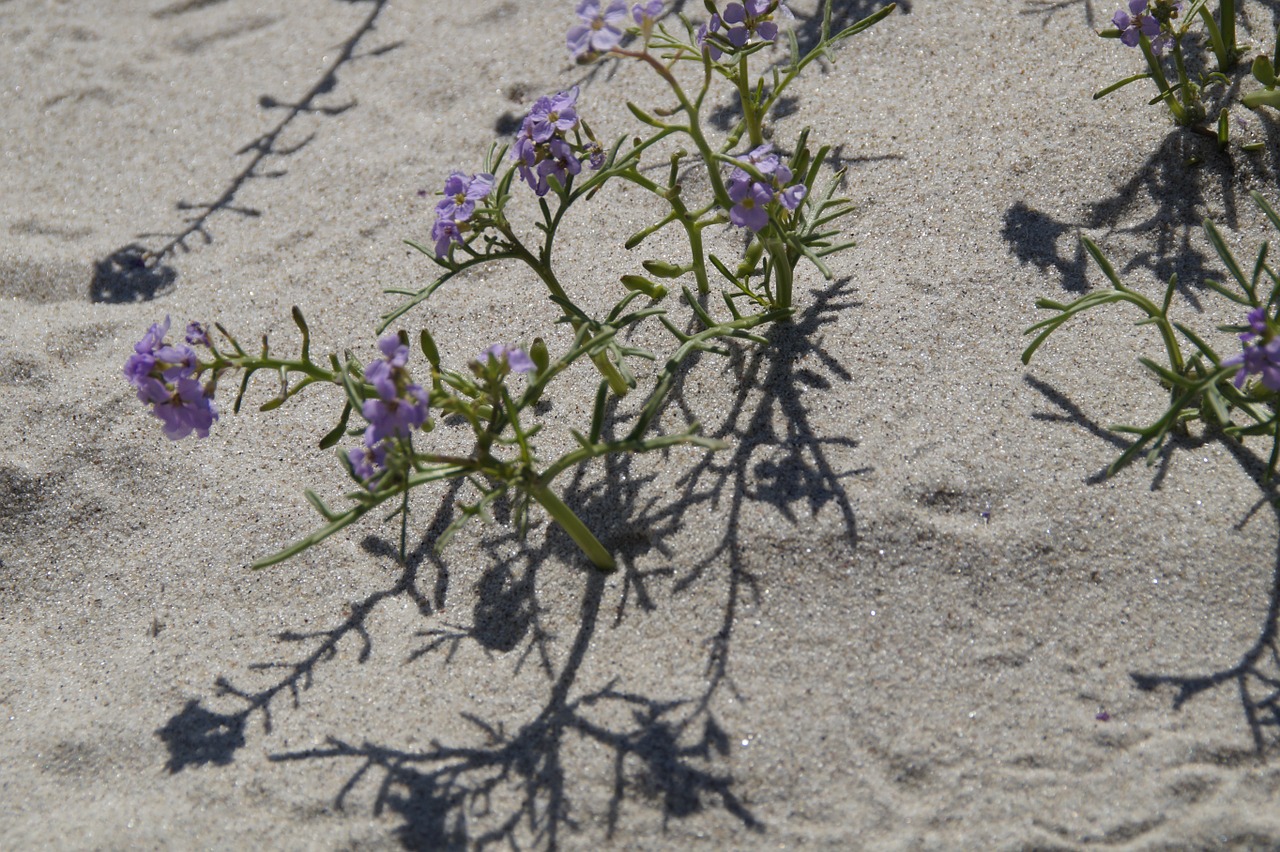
(1225, 54)
(782, 272)
(1162, 83)
(749, 115)
(1227, 11)
(573, 525)
(695, 127)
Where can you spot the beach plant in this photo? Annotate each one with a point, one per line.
(1233, 390)
(767, 199)
(1177, 41)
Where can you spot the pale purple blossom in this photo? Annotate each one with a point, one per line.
(454, 211)
(400, 405)
(542, 150)
(752, 196)
(553, 115)
(1136, 22)
(599, 28)
(708, 45)
(508, 356)
(368, 462)
(461, 194)
(165, 377)
(753, 17)
(1261, 355)
(648, 10)
(198, 335)
(751, 199)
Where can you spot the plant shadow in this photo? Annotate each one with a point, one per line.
(1256, 675)
(136, 272)
(668, 753)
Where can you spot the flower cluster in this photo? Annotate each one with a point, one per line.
(507, 358)
(165, 376)
(399, 407)
(454, 211)
(542, 149)
(1261, 353)
(1142, 21)
(741, 21)
(752, 196)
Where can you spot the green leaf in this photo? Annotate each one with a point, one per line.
(1102, 93)
(335, 434)
(1263, 72)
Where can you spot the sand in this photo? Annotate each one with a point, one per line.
(902, 610)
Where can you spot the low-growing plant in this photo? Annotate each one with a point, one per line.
(1177, 56)
(1237, 394)
(772, 197)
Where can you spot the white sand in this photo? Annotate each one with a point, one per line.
(889, 616)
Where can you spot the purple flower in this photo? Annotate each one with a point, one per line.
(560, 163)
(751, 195)
(460, 196)
(1257, 322)
(165, 376)
(1135, 22)
(708, 29)
(598, 30)
(1261, 355)
(753, 17)
(400, 405)
(648, 10)
(791, 197)
(553, 114)
(750, 200)
(508, 356)
(198, 335)
(368, 463)
(541, 149)
(187, 409)
(444, 232)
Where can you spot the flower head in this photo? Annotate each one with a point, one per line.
(1135, 23)
(509, 357)
(553, 115)
(369, 462)
(598, 29)
(648, 10)
(542, 148)
(708, 45)
(751, 199)
(1261, 352)
(165, 377)
(198, 335)
(400, 405)
(752, 195)
(461, 194)
(454, 211)
(749, 18)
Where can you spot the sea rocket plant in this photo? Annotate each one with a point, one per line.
(771, 194)
(1203, 101)
(1203, 386)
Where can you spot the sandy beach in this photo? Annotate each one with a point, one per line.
(903, 610)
